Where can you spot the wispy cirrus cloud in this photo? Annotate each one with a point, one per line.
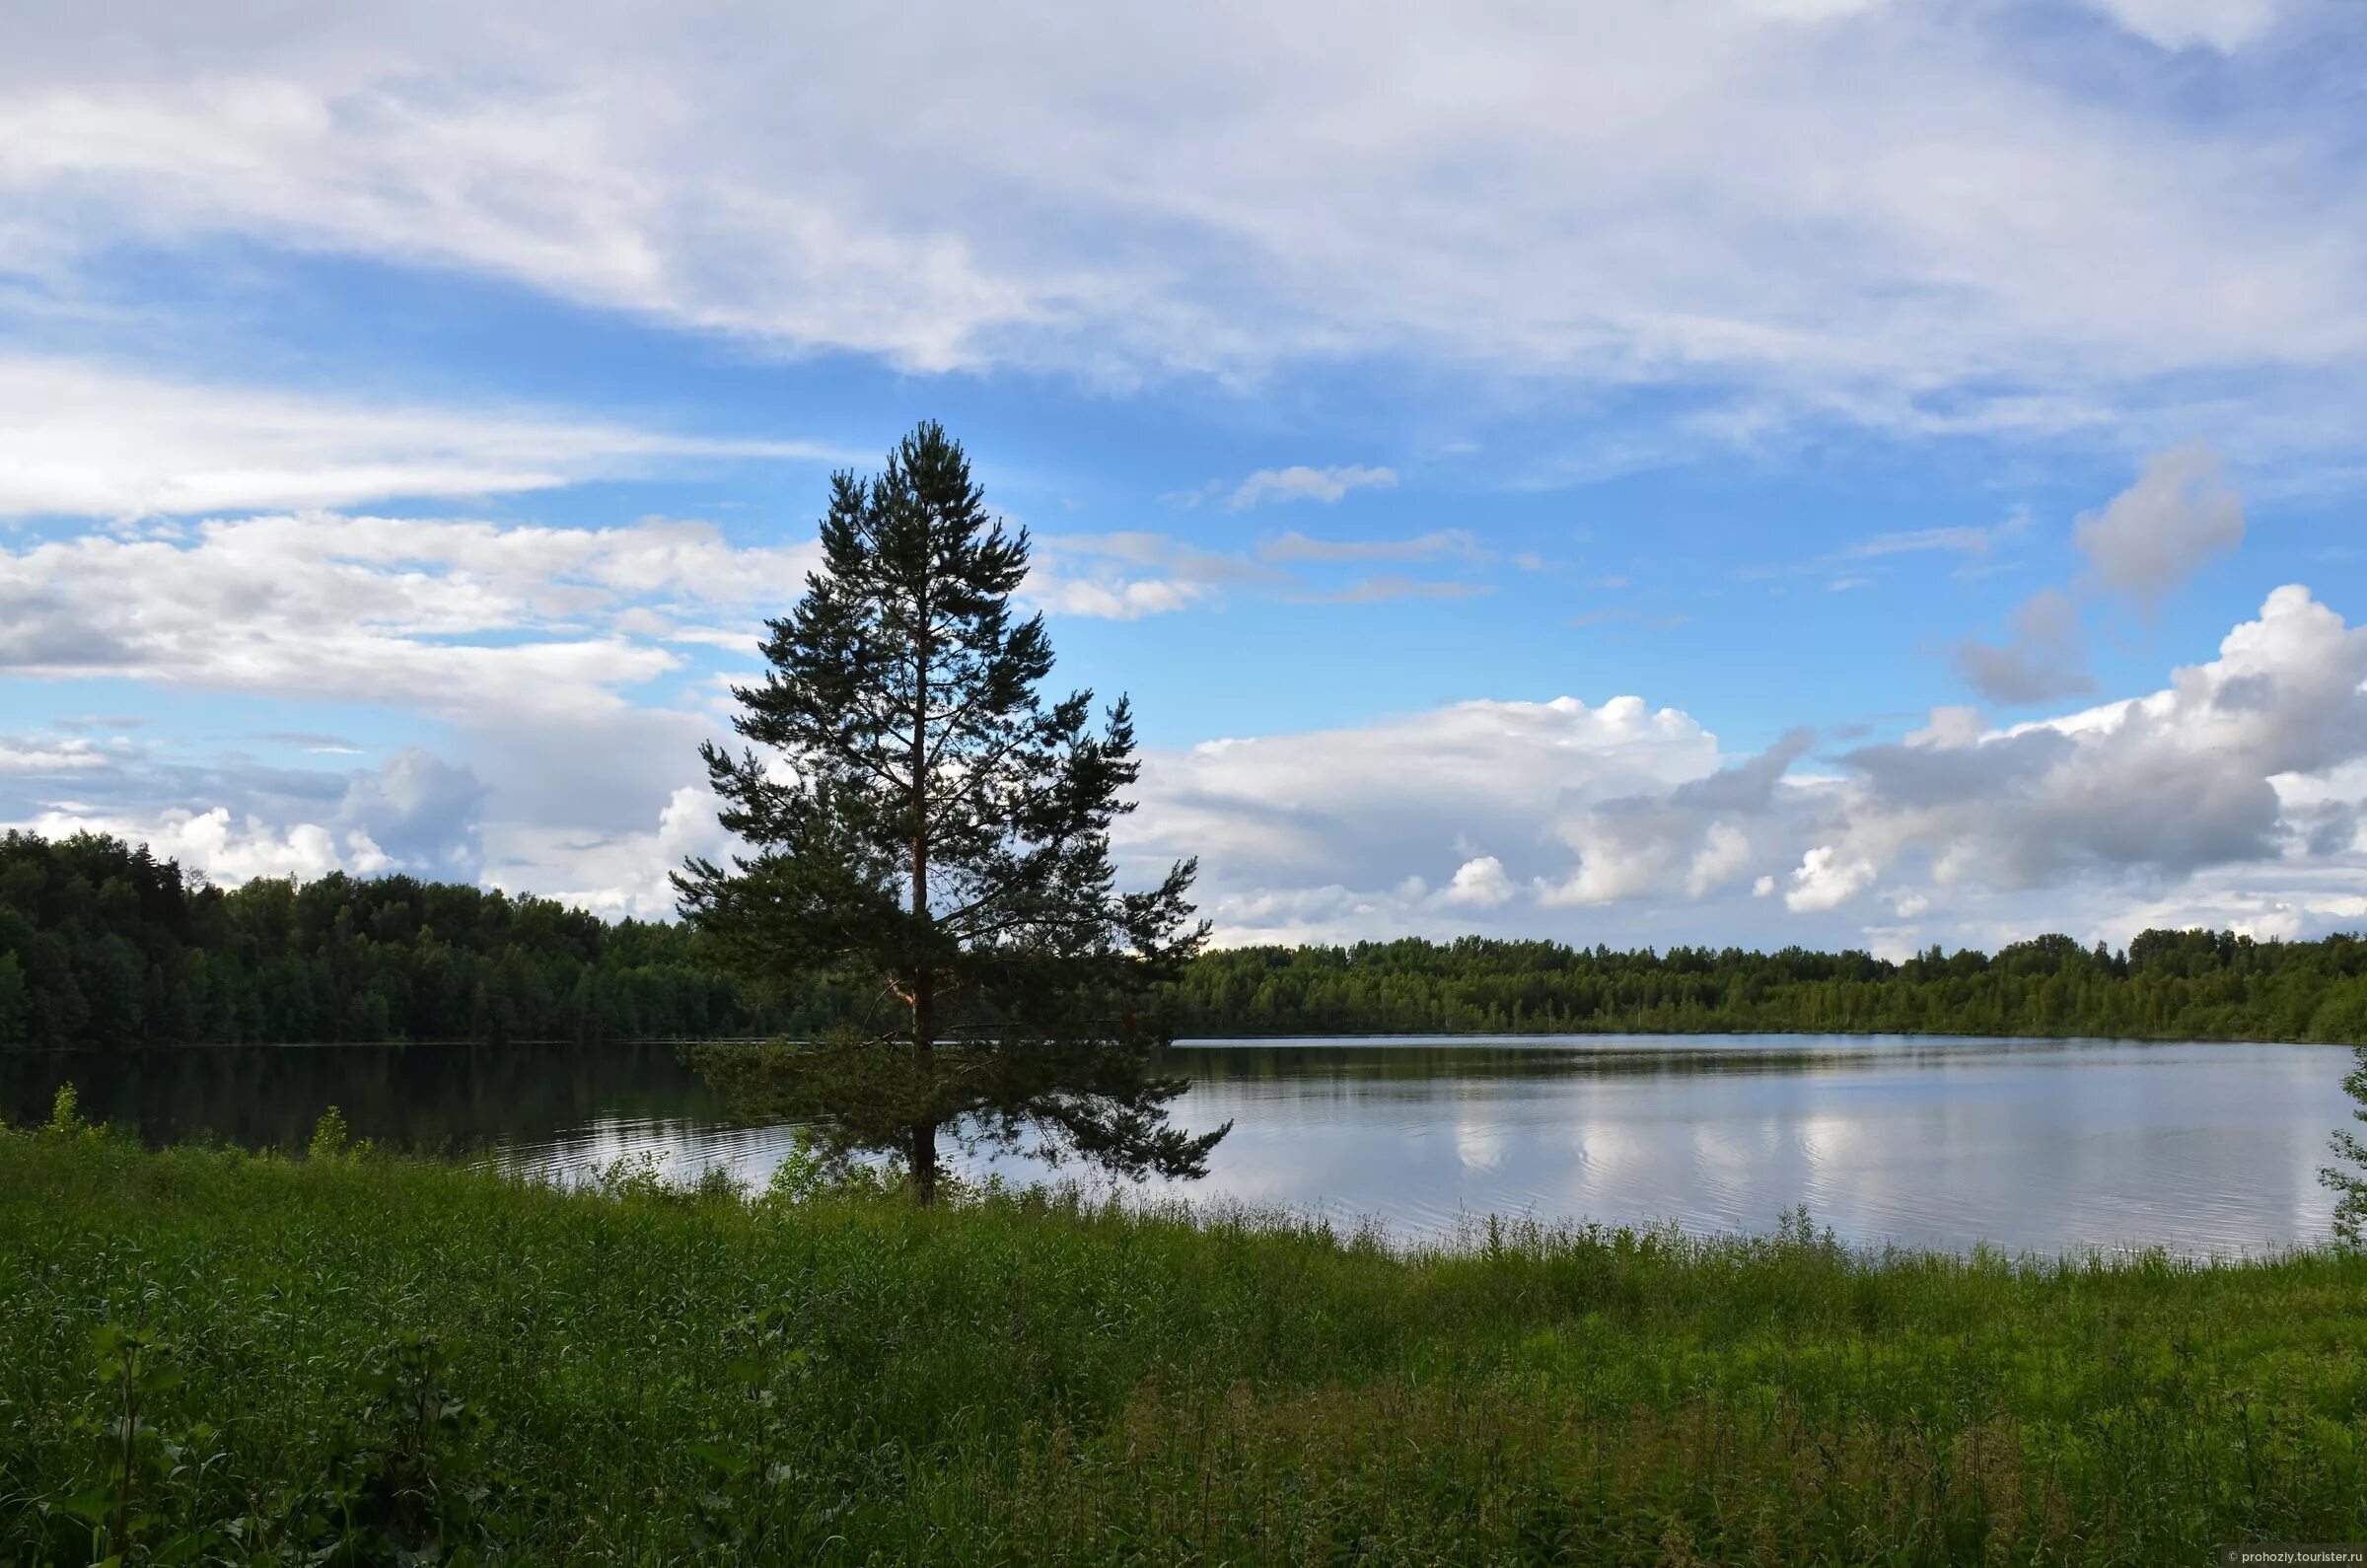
(1128, 575)
(1960, 540)
(1440, 544)
(1302, 484)
(1382, 587)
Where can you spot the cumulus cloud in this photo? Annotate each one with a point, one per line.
(87, 440)
(421, 812)
(1369, 807)
(1299, 482)
(1826, 880)
(2238, 788)
(1477, 884)
(1724, 855)
(227, 850)
(2236, 793)
(2151, 537)
(616, 873)
(2044, 659)
(1630, 846)
(417, 813)
(2186, 777)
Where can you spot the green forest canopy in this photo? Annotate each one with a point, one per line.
(101, 944)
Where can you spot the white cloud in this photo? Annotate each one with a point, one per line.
(1128, 575)
(2235, 795)
(1368, 807)
(465, 620)
(64, 756)
(1896, 216)
(1478, 883)
(1115, 599)
(1825, 880)
(611, 874)
(2157, 788)
(2238, 789)
(219, 849)
(1724, 855)
(2159, 531)
(236, 819)
(85, 440)
(1301, 484)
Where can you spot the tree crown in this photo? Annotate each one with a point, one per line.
(930, 822)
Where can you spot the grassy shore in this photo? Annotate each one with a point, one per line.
(382, 1355)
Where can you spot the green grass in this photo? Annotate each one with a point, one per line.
(364, 1357)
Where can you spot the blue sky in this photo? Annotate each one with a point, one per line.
(1855, 473)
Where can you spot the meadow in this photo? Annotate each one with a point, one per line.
(208, 1355)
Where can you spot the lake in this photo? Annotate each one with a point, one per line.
(2029, 1145)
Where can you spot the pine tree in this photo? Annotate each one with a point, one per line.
(929, 828)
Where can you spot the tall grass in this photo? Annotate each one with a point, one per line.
(243, 1357)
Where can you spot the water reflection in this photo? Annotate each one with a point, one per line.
(2043, 1144)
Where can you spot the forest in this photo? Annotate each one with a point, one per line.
(2167, 984)
(104, 945)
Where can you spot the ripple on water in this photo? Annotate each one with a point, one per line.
(2045, 1146)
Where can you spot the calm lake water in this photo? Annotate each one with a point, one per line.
(2047, 1145)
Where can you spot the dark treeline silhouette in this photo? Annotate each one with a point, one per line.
(2168, 985)
(104, 945)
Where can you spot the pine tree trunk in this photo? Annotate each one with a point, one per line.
(924, 1049)
(925, 1164)
(924, 1000)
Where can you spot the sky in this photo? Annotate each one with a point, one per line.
(1838, 472)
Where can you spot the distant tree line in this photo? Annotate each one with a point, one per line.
(2167, 984)
(101, 944)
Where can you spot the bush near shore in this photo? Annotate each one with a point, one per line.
(212, 1356)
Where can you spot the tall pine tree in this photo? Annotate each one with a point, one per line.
(930, 828)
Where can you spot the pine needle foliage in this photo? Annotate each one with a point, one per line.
(922, 822)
